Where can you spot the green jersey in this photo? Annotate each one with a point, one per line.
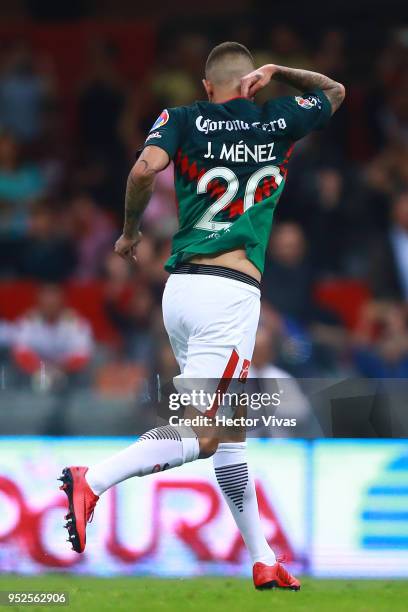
(230, 166)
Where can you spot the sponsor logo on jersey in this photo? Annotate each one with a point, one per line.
(207, 125)
(161, 120)
(309, 102)
(153, 135)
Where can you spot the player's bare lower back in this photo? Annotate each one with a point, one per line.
(236, 260)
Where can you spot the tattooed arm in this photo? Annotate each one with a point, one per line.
(139, 189)
(304, 80)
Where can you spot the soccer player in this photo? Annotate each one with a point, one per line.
(230, 161)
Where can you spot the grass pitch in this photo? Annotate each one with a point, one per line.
(212, 594)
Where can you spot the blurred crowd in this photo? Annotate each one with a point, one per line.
(344, 214)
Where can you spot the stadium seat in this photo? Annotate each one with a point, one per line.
(344, 297)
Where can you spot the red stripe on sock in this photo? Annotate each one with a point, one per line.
(224, 382)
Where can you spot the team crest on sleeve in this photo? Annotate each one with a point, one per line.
(309, 102)
(161, 120)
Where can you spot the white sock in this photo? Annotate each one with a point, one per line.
(238, 488)
(156, 450)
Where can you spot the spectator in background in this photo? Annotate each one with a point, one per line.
(287, 280)
(160, 216)
(310, 336)
(389, 255)
(103, 159)
(117, 274)
(393, 117)
(388, 172)
(266, 377)
(176, 81)
(52, 341)
(25, 92)
(324, 217)
(102, 99)
(133, 319)
(47, 254)
(20, 183)
(92, 233)
(155, 273)
(265, 356)
(285, 48)
(129, 306)
(327, 199)
(330, 55)
(381, 341)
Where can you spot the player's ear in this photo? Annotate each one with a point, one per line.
(208, 88)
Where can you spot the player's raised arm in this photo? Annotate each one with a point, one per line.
(139, 189)
(304, 80)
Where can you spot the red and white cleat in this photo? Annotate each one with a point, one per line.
(81, 501)
(273, 577)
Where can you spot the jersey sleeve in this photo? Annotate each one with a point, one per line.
(305, 113)
(166, 131)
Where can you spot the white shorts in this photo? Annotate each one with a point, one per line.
(211, 322)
